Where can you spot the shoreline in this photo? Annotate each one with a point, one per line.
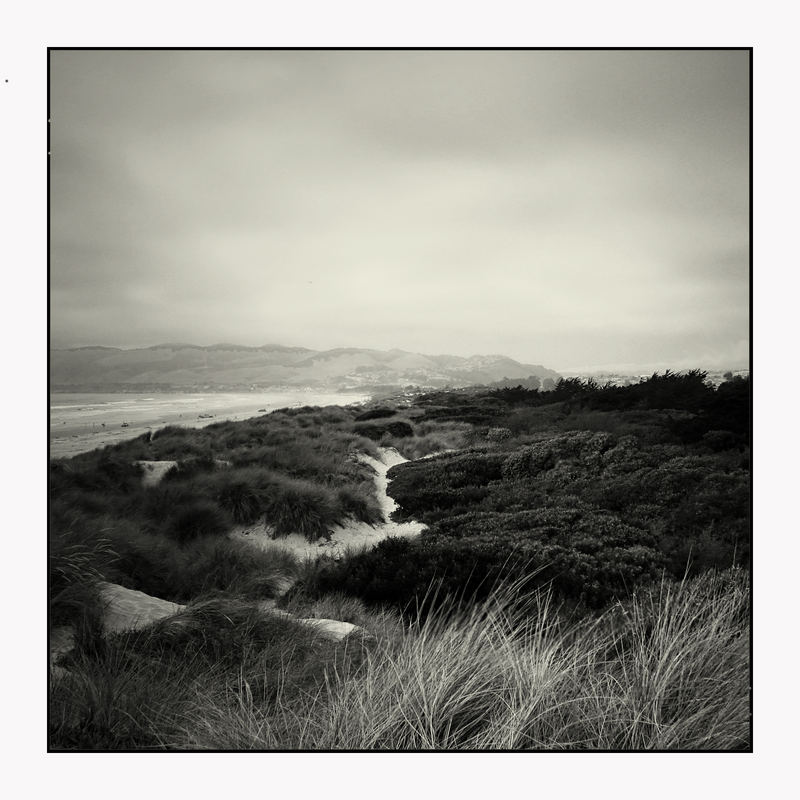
(88, 424)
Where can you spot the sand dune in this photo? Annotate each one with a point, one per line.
(353, 535)
(128, 609)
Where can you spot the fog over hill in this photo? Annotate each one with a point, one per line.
(187, 367)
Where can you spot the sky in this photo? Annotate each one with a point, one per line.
(577, 209)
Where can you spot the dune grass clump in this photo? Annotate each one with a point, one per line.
(107, 700)
(241, 501)
(201, 518)
(289, 505)
(302, 507)
(124, 552)
(76, 564)
(176, 443)
(209, 564)
(359, 502)
(679, 675)
(298, 469)
(98, 471)
(666, 670)
(225, 632)
(140, 690)
(241, 492)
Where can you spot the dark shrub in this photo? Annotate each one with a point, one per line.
(729, 408)
(399, 429)
(375, 413)
(688, 429)
(158, 503)
(416, 576)
(200, 518)
(717, 441)
(376, 432)
(443, 482)
(421, 573)
(101, 471)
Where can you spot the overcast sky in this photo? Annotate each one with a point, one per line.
(575, 209)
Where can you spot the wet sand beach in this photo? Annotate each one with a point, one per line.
(82, 422)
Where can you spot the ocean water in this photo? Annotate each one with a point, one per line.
(81, 422)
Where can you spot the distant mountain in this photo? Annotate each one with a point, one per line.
(188, 367)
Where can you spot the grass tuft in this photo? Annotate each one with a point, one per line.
(668, 670)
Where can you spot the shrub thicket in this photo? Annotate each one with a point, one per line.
(685, 508)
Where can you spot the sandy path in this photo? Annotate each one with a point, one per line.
(352, 535)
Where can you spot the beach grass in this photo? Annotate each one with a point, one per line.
(666, 669)
(581, 653)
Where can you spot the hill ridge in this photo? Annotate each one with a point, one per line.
(182, 366)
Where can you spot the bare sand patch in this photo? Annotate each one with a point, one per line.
(332, 628)
(125, 610)
(154, 471)
(129, 609)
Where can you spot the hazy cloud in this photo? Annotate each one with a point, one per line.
(567, 208)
